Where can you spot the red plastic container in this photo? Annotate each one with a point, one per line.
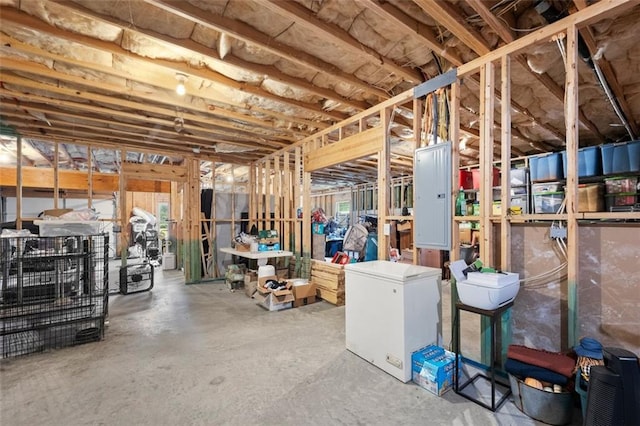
(465, 178)
(476, 178)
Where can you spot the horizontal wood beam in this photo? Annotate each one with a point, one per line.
(39, 177)
(155, 172)
(350, 148)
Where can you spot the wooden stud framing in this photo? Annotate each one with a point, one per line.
(56, 182)
(124, 229)
(287, 202)
(505, 156)
(384, 178)
(454, 132)
(297, 197)
(90, 177)
(487, 108)
(571, 191)
(19, 183)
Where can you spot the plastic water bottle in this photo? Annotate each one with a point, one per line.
(461, 203)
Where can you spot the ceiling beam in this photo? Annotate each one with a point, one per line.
(305, 18)
(248, 34)
(210, 54)
(51, 105)
(423, 32)
(165, 127)
(448, 17)
(545, 79)
(167, 80)
(110, 100)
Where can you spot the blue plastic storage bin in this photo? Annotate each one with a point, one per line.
(546, 167)
(589, 161)
(621, 157)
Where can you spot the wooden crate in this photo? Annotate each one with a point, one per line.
(331, 296)
(329, 279)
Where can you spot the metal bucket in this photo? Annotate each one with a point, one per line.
(548, 407)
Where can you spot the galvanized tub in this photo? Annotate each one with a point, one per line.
(554, 408)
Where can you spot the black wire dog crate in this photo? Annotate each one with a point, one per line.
(54, 292)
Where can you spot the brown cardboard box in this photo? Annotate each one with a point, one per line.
(304, 294)
(274, 300)
(250, 283)
(465, 235)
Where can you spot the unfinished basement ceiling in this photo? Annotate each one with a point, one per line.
(263, 74)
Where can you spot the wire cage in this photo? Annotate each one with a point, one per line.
(54, 292)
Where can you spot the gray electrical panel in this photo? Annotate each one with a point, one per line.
(432, 185)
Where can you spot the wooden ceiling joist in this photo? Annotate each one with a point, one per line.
(248, 34)
(302, 16)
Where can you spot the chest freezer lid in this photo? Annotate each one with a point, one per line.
(393, 270)
(492, 279)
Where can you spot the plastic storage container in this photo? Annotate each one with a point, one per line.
(466, 179)
(591, 197)
(547, 197)
(476, 178)
(589, 161)
(546, 167)
(616, 185)
(519, 176)
(624, 199)
(621, 157)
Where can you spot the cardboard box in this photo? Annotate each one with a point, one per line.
(432, 368)
(263, 280)
(273, 302)
(250, 287)
(465, 235)
(304, 294)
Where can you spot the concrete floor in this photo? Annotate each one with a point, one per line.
(201, 355)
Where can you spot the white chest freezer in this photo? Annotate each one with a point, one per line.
(392, 310)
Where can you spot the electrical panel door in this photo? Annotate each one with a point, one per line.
(432, 185)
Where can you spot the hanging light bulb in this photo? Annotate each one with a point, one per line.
(180, 89)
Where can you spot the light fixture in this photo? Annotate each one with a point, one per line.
(180, 89)
(196, 149)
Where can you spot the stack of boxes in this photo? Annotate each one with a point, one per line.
(621, 193)
(268, 240)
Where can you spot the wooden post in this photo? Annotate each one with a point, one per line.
(306, 215)
(384, 174)
(287, 203)
(505, 128)
(571, 195)
(417, 122)
(253, 196)
(268, 191)
(454, 132)
(89, 177)
(487, 97)
(19, 182)
(487, 80)
(124, 222)
(277, 196)
(56, 178)
(297, 182)
(505, 224)
(260, 195)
